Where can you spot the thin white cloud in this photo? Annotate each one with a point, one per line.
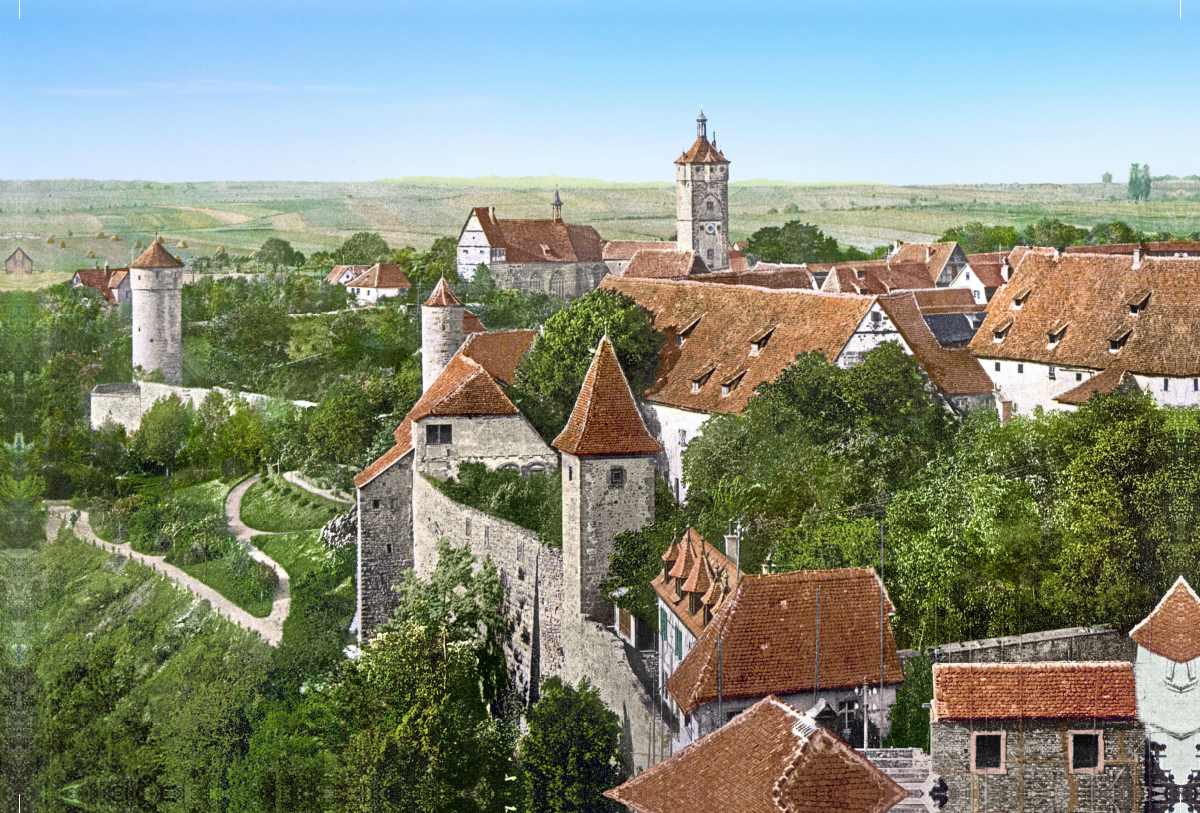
(200, 86)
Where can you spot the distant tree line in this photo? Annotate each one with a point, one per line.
(977, 238)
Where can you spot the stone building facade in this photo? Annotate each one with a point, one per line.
(702, 200)
(156, 281)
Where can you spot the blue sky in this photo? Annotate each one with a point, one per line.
(844, 90)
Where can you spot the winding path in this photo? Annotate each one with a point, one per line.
(269, 628)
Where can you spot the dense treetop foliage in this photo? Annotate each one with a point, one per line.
(796, 242)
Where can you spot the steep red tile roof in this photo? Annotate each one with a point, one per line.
(442, 296)
(659, 263)
(1166, 248)
(763, 275)
(953, 371)
(499, 352)
(606, 420)
(381, 275)
(336, 272)
(946, 300)
(724, 320)
(104, 280)
(1049, 690)
(684, 553)
(625, 249)
(876, 277)
(117, 276)
(738, 263)
(1114, 378)
(701, 152)
(472, 324)
(761, 761)
(989, 267)
(769, 631)
(156, 257)
(938, 253)
(1092, 293)
(463, 388)
(536, 241)
(1173, 629)
(385, 462)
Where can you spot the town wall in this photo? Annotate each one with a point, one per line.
(1073, 644)
(566, 279)
(125, 404)
(385, 542)
(1036, 775)
(532, 594)
(476, 439)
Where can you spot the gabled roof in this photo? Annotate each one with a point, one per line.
(336, 272)
(938, 255)
(381, 275)
(499, 352)
(769, 631)
(660, 263)
(1173, 629)
(1166, 248)
(442, 296)
(625, 249)
(955, 372)
(701, 152)
(1114, 378)
(472, 324)
(738, 263)
(156, 257)
(104, 280)
(876, 277)
(685, 552)
(988, 268)
(764, 760)
(20, 251)
(763, 275)
(384, 462)
(726, 318)
(606, 420)
(1090, 291)
(537, 241)
(1049, 690)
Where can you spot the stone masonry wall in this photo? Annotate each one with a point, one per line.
(566, 279)
(551, 655)
(496, 441)
(1074, 644)
(385, 542)
(517, 554)
(1036, 775)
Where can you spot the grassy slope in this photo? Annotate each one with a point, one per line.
(279, 508)
(316, 216)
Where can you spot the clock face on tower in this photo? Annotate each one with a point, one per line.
(710, 228)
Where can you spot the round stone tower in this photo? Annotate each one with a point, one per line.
(156, 282)
(441, 332)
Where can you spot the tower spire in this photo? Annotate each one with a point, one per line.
(556, 207)
(701, 124)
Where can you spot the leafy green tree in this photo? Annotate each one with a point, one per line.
(976, 238)
(363, 248)
(1106, 178)
(1049, 231)
(908, 716)
(1139, 182)
(340, 427)
(572, 753)
(797, 242)
(550, 375)
(637, 557)
(1114, 232)
(276, 252)
(163, 432)
(482, 285)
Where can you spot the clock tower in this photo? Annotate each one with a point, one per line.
(702, 200)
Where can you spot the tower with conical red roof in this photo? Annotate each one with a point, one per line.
(607, 481)
(702, 200)
(156, 283)
(441, 332)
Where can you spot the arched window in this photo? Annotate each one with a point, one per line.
(709, 204)
(558, 284)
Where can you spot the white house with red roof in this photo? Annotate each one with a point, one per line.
(378, 282)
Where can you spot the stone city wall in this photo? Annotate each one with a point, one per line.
(566, 279)
(125, 404)
(1073, 644)
(385, 542)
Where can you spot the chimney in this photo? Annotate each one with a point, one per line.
(928, 253)
(1137, 258)
(1005, 269)
(492, 212)
(733, 545)
(896, 246)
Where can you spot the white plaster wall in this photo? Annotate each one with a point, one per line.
(1028, 384)
(874, 329)
(1178, 391)
(473, 249)
(967, 279)
(672, 422)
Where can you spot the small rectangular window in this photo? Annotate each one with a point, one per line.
(374, 503)
(1196, 384)
(438, 434)
(1087, 751)
(1052, 373)
(678, 644)
(1078, 376)
(987, 752)
(616, 476)
(1020, 368)
(997, 366)
(682, 437)
(710, 254)
(662, 623)
(1166, 384)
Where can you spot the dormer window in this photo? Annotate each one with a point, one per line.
(1055, 334)
(1021, 298)
(732, 384)
(1001, 330)
(702, 379)
(1138, 302)
(1117, 340)
(759, 342)
(686, 333)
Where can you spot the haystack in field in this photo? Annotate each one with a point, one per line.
(62, 243)
(101, 235)
(50, 240)
(138, 244)
(116, 238)
(91, 255)
(182, 244)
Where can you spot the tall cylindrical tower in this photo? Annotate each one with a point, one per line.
(156, 282)
(441, 332)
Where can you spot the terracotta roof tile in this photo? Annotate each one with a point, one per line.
(498, 352)
(988, 268)
(1114, 378)
(701, 152)
(382, 464)
(762, 762)
(738, 263)
(768, 627)
(381, 275)
(1049, 690)
(536, 241)
(686, 553)
(664, 263)
(1090, 291)
(955, 372)
(606, 420)
(1173, 629)
(463, 388)
(726, 318)
(938, 255)
(876, 277)
(1166, 248)
(442, 296)
(336, 272)
(763, 275)
(156, 257)
(472, 324)
(625, 249)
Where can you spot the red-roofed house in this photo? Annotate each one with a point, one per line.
(341, 274)
(378, 282)
(618, 253)
(1038, 736)
(768, 759)
(943, 261)
(549, 256)
(802, 636)
(113, 283)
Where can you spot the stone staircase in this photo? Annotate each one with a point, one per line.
(911, 769)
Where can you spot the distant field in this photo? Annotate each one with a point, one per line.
(317, 216)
